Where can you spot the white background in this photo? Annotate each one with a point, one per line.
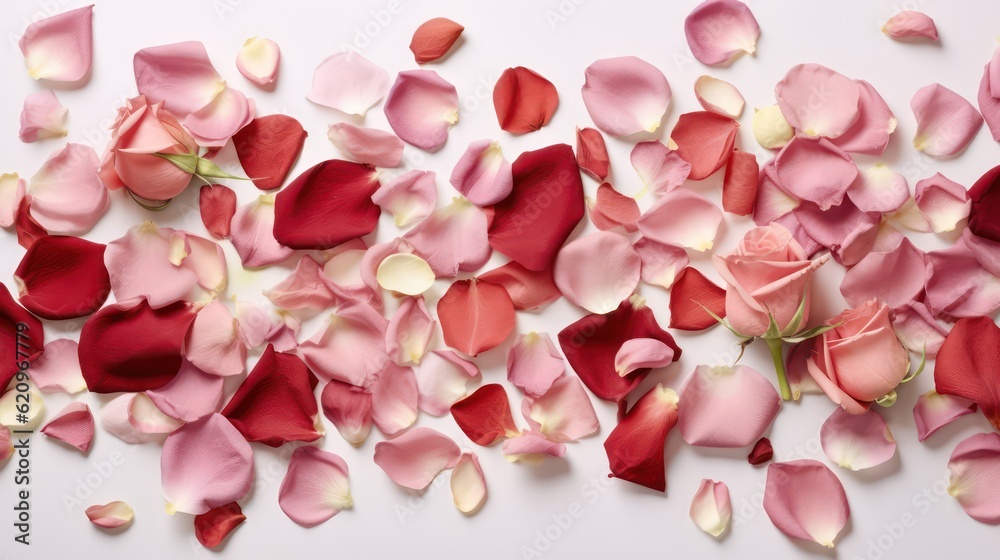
(558, 40)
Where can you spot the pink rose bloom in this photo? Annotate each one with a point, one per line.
(861, 360)
(140, 131)
(767, 275)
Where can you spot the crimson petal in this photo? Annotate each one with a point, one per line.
(28, 229)
(217, 204)
(213, 526)
(268, 148)
(968, 365)
(690, 296)
(524, 100)
(705, 140)
(592, 153)
(985, 197)
(11, 337)
(63, 278)
(475, 316)
(761, 453)
(485, 415)
(635, 447)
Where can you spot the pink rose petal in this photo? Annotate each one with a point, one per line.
(421, 107)
(73, 425)
(67, 196)
(806, 500)
(58, 368)
(625, 95)
(59, 48)
(468, 484)
(918, 330)
(531, 448)
(147, 419)
(315, 487)
(946, 122)
(528, 289)
(395, 398)
(934, 411)
(726, 407)
(213, 344)
(660, 168)
(415, 458)
(258, 60)
(818, 101)
(483, 174)
(942, 201)
(452, 239)
(718, 30)
(350, 409)
(876, 123)
(409, 331)
(140, 266)
(180, 74)
(908, 24)
(597, 271)
(772, 202)
(349, 83)
(879, 189)
(866, 280)
(815, 170)
(564, 413)
(214, 124)
(989, 95)
(638, 353)
(111, 515)
(442, 379)
(661, 264)
(857, 441)
(682, 218)
(191, 395)
(975, 477)
(711, 508)
(366, 145)
(252, 234)
(42, 117)
(116, 419)
(849, 233)
(959, 286)
(719, 96)
(349, 347)
(534, 364)
(411, 197)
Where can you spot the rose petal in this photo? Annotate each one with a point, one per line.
(411, 197)
(350, 409)
(661, 264)
(12, 403)
(870, 133)
(214, 124)
(857, 441)
(217, 204)
(879, 189)
(349, 83)
(524, 100)
(660, 168)
(405, 273)
(74, 425)
(453, 238)
(190, 395)
(989, 104)
(975, 471)
(442, 379)
(140, 265)
(268, 147)
(421, 107)
(213, 526)
(711, 508)
(253, 233)
(739, 187)
(116, 420)
(987, 252)
(485, 415)
(682, 218)
(635, 447)
(468, 485)
(258, 60)
(805, 500)
(111, 515)
(315, 487)
(434, 38)
(482, 174)
(416, 457)
(933, 412)
(770, 128)
(43, 117)
(395, 398)
(726, 406)
(815, 170)
(564, 413)
(818, 101)
(718, 30)
(866, 280)
(611, 209)
(719, 96)
(409, 332)
(917, 329)
(145, 418)
(772, 202)
(797, 369)
(213, 344)
(533, 363)
(597, 271)
(907, 24)
(58, 368)
(528, 289)
(942, 201)
(592, 153)
(946, 122)
(849, 233)
(692, 294)
(67, 196)
(761, 453)
(475, 316)
(6, 447)
(350, 346)
(705, 140)
(641, 353)
(59, 48)
(625, 95)
(967, 365)
(62, 278)
(959, 286)
(181, 75)
(366, 145)
(12, 191)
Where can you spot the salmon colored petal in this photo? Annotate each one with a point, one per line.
(350, 409)
(857, 441)
(190, 395)
(625, 95)
(866, 280)
(806, 500)
(592, 153)
(452, 239)
(975, 473)
(12, 191)
(934, 411)
(62, 278)
(12, 349)
(611, 209)
(42, 117)
(660, 168)
(366, 145)
(546, 182)
(876, 123)
(315, 487)
(918, 330)
(213, 344)
(635, 447)
(959, 285)
(111, 515)
(415, 458)
(770, 128)
(59, 48)
(705, 140)
(475, 316)
(942, 201)
(204, 465)
(690, 296)
(395, 398)
(253, 233)
(213, 526)
(641, 353)
(661, 264)
(564, 413)
(968, 365)
(409, 332)
(268, 147)
(74, 425)
(818, 101)
(349, 83)
(434, 38)
(682, 218)
(815, 170)
(133, 348)
(217, 204)
(761, 453)
(258, 60)
(468, 485)
(441, 380)
(726, 406)
(879, 189)
(139, 266)
(739, 187)
(531, 448)
(349, 347)
(409, 198)
(908, 24)
(58, 368)
(718, 30)
(528, 289)
(711, 508)
(67, 196)
(421, 107)
(534, 364)
(483, 174)
(591, 344)
(719, 96)
(485, 415)
(214, 124)
(946, 122)
(597, 271)
(524, 100)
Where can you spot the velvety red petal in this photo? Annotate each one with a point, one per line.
(63, 278)
(213, 526)
(524, 100)
(612, 209)
(739, 189)
(635, 446)
(688, 295)
(485, 415)
(28, 229)
(268, 148)
(12, 338)
(592, 153)
(985, 197)
(528, 289)
(968, 365)
(217, 204)
(705, 140)
(761, 453)
(475, 316)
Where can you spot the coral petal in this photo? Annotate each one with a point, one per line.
(59, 48)
(857, 441)
(534, 364)
(592, 153)
(415, 458)
(528, 289)
(217, 204)
(268, 147)
(625, 95)
(434, 38)
(739, 188)
(597, 271)
(726, 406)
(485, 415)
(805, 500)
(934, 411)
(73, 425)
(611, 209)
(705, 140)
(524, 100)
(718, 30)
(635, 447)
(475, 316)
(213, 526)
(946, 122)
(366, 145)
(315, 487)
(63, 278)
(690, 296)
(421, 107)
(349, 83)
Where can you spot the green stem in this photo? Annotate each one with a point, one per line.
(779, 367)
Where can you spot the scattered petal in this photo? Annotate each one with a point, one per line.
(258, 60)
(761, 453)
(482, 174)
(62, 278)
(268, 147)
(592, 153)
(253, 233)
(711, 508)
(908, 24)
(918, 330)
(468, 485)
(140, 265)
(453, 238)
(597, 271)
(475, 316)
(528, 289)
(42, 117)
(705, 140)
(564, 413)
(349, 83)
(58, 368)
(691, 298)
(661, 264)
(366, 145)
(946, 122)
(214, 124)
(421, 107)
(349, 347)
(815, 170)
(409, 332)
(405, 273)
(682, 218)
(975, 472)
(190, 395)
(942, 201)
(876, 123)
(866, 280)
(350, 409)
(934, 411)
(416, 457)
(959, 286)
(434, 38)
(531, 448)
(6, 445)
(625, 95)
(718, 30)
(116, 419)
(770, 128)
(849, 233)
(726, 406)
(968, 365)
(59, 48)
(534, 364)
(660, 168)
(879, 189)
(611, 209)
(524, 100)
(67, 196)
(315, 487)
(818, 101)
(635, 447)
(213, 526)
(181, 75)
(74, 425)
(217, 204)
(739, 187)
(12, 191)
(411, 197)
(805, 500)
(111, 515)
(485, 415)
(145, 418)
(213, 344)
(395, 398)
(719, 96)
(857, 441)
(442, 379)
(989, 104)
(641, 353)
(11, 403)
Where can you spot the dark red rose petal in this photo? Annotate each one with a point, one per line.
(531, 225)
(485, 415)
(28, 230)
(434, 38)
(612, 209)
(635, 447)
(689, 293)
(705, 140)
(528, 289)
(524, 100)
(327, 205)
(213, 526)
(475, 316)
(275, 404)
(968, 365)
(268, 148)
(761, 453)
(132, 349)
(591, 344)
(592, 153)
(218, 205)
(739, 189)
(32, 337)
(985, 196)
(63, 278)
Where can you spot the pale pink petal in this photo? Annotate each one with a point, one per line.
(315, 487)
(411, 197)
(879, 189)
(252, 234)
(918, 330)
(366, 145)
(205, 464)
(849, 233)
(73, 425)
(597, 271)
(442, 379)
(67, 196)
(661, 264)
(190, 395)
(866, 280)
(421, 107)
(806, 500)
(452, 239)
(214, 124)
(139, 265)
(349, 83)
(942, 201)
(711, 508)
(719, 96)
(989, 95)
(316, 286)
(409, 332)
(258, 60)
(147, 419)
(6, 445)
(959, 285)
(975, 477)
(770, 128)
(625, 95)
(213, 344)
(934, 411)
(43, 116)
(482, 174)
(395, 398)
(179, 74)
(415, 458)
(908, 24)
(531, 448)
(946, 122)
(468, 485)
(639, 353)
(659, 167)
(349, 347)
(533, 363)
(682, 218)
(815, 170)
(377, 253)
(726, 406)
(58, 368)
(111, 515)
(404, 274)
(718, 30)
(206, 259)
(115, 420)
(564, 413)
(857, 441)
(60, 47)
(870, 134)
(253, 323)
(818, 101)
(12, 191)
(772, 202)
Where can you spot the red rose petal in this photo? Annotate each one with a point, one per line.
(687, 296)
(985, 197)
(705, 140)
(268, 148)
(612, 209)
(968, 365)
(592, 343)
(349, 407)
(592, 153)
(218, 205)
(11, 315)
(485, 415)
(275, 404)
(328, 204)
(63, 278)
(475, 316)
(739, 189)
(28, 229)
(761, 453)
(546, 184)
(528, 289)
(434, 38)
(635, 446)
(524, 100)
(213, 526)
(130, 349)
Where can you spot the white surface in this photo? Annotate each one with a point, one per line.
(615, 518)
